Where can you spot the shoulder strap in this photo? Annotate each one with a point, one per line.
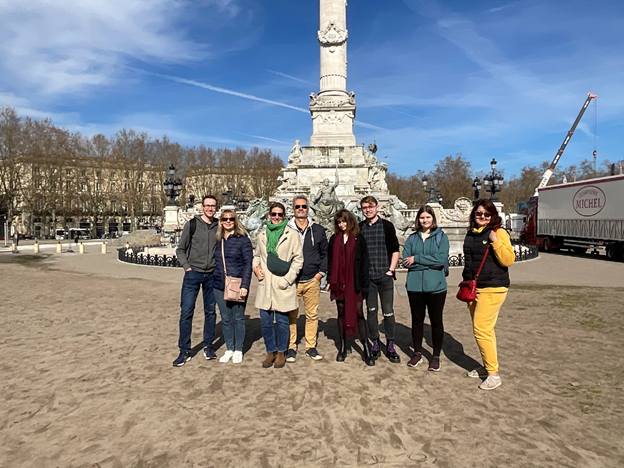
(223, 256)
(438, 238)
(487, 249)
(193, 227)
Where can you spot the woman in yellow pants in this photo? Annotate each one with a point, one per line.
(492, 284)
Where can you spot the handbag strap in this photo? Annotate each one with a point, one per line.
(487, 249)
(223, 256)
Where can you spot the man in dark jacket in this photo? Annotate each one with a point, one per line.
(314, 243)
(195, 253)
(383, 253)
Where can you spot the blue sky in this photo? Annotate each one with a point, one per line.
(501, 79)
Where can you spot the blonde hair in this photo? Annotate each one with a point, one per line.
(238, 226)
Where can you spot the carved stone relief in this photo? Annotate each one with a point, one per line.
(332, 35)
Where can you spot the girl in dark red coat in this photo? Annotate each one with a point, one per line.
(348, 282)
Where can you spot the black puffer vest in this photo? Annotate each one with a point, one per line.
(493, 275)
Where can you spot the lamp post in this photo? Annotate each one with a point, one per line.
(493, 181)
(239, 202)
(476, 186)
(191, 201)
(172, 186)
(432, 192)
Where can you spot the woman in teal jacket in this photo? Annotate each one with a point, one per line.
(425, 255)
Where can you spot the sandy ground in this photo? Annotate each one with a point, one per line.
(87, 345)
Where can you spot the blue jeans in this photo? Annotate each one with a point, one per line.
(232, 321)
(193, 281)
(268, 333)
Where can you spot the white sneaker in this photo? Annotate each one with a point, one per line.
(477, 373)
(492, 382)
(237, 358)
(226, 356)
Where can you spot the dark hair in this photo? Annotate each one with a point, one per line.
(277, 205)
(425, 209)
(495, 220)
(349, 218)
(369, 199)
(212, 197)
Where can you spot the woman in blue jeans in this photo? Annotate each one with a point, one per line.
(233, 245)
(277, 261)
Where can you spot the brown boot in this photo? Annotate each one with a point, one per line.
(280, 360)
(268, 360)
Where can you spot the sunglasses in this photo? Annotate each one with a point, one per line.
(228, 220)
(481, 214)
(280, 215)
(304, 207)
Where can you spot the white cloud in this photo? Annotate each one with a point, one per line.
(60, 47)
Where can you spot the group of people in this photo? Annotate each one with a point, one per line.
(293, 259)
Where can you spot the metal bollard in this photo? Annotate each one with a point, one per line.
(103, 247)
(36, 247)
(59, 248)
(81, 248)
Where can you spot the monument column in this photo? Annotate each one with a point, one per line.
(333, 109)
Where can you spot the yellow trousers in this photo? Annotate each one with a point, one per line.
(484, 312)
(310, 292)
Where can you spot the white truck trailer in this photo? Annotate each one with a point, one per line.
(579, 216)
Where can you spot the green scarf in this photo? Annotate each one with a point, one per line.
(273, 233)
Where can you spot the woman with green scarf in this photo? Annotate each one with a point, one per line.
(277, 260)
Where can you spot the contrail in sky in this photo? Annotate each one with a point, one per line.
(294, 78)
(251, 97)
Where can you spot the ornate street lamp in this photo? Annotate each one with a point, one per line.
(476, 186)
(493, 181)
(172, 186)
(432, 192)
(239, 202)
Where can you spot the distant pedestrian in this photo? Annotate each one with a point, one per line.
(15, 237)
(234, 251)
(348, 278)
(277, 261)
(425, 254)
(486, 238)
(195, 253)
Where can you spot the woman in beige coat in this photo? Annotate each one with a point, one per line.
(277, 260)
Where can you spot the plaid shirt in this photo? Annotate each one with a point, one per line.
(377, 252)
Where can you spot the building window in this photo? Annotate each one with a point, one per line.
(98, 174)
(36, 170)
(38, 184)
(113, 186)
(68, 172)
(125, 187)
(113, 205)
(140, 187)
(113, 175)
(68, 185)
(84, 187)
(98, 186)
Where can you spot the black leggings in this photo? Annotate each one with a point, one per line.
(361, 321)
(434, 302)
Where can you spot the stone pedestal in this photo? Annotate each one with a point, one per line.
(171, 218)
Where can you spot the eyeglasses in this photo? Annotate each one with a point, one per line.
(280, 215)
(303, 207)
(371, 207)
(481, 214)
(228, 220)
(210, 206)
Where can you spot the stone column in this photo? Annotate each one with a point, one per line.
(333, 109)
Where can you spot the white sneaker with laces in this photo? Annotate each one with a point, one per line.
(492, 382)
(237, 358)
(226, 356)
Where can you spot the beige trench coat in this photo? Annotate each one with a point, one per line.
(279, 292)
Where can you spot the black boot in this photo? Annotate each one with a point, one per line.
(342, 350)
(367, 356)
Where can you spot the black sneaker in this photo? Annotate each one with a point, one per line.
(313, 354)
(182, 359)
(291, 355)
(209, 353)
